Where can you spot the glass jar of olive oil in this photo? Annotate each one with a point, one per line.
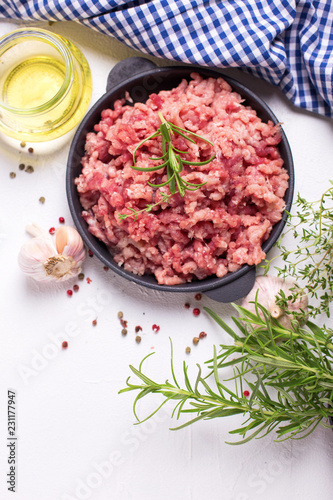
(45, 85)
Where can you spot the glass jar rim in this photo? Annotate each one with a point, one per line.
(58, 43)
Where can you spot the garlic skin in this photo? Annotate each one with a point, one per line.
(267, 287)
(45, 260)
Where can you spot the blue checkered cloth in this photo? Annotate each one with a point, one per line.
(288, 43)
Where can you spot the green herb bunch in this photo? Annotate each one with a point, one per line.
(310, 263)
(288, 373)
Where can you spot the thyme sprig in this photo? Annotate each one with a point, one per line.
(171, 159)
(288, 373)
(164, 199)
(310, 263)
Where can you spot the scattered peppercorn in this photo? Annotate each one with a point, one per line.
(195, 340)
(80, 276)
(76, 288)
(138, 329)
(61, 220)
(138, 339)
(69, 293)
(196, 311)
(187, 305)
(23, 144)
(21, 166)
(52, 230)
(155, 328)
(198, 296)
(105, 268)
(94, 322)
(120, 314)
(90, 253)
(202, 335)
(188, 350)
(29, 169)
(123, 323)
(88, 280)
(12, 175)
(42, 199)
(30, 150)
(64, 344)
(246, 394)
(124, 331)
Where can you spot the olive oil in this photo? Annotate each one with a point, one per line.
(34, 82)
(45, 85)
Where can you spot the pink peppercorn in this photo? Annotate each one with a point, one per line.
(246, 394)
(155, 328)
(69, 293)
(61, 220)
(52, 230)
(64, 344)
(196, 311)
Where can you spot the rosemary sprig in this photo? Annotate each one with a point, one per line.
(310, 263)
(171, 158)
(171, 161)
(288, 373)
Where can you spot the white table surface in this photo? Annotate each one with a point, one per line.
(76, 438)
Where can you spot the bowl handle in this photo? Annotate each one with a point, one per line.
(126, 69)
(235, 289)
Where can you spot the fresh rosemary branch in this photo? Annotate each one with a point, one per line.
(310, 263)
(288, 373)
(171, 161)
(171, 157)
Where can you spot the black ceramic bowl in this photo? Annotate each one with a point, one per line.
(140, 77)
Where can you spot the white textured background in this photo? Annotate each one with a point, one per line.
(76, 438)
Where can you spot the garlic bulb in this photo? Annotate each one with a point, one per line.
(46, 260)
(267, 288)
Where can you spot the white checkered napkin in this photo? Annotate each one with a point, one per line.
(288, 43)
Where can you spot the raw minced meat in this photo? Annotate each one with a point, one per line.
(211, 231)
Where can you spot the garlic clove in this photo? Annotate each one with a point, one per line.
(36, 231)
(69, 243)
(43, 260)
(32, 256)
(266, 288)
